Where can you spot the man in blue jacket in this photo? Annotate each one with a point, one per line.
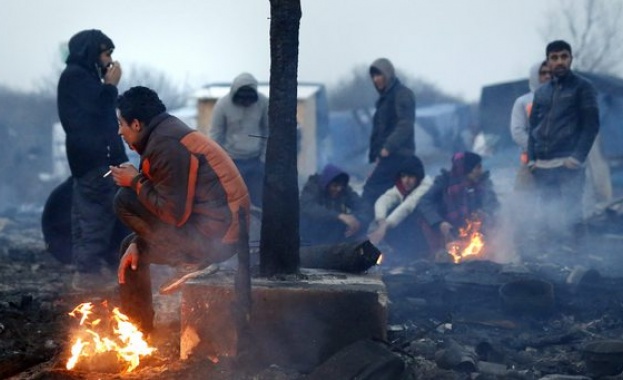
(563, 124)
(87, 94)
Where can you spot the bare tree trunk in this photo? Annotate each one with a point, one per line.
(279, 245)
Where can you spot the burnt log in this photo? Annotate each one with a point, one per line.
(365, 360)
(352, 257)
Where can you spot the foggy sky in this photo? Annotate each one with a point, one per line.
(458, 45)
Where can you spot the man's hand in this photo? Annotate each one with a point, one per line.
(123, 174)
(129, 260)
(351, 222)
(384, 152)
(113, 74)
(446, 230)
(572, 163)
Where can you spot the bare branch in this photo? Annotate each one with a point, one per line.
(592, 29)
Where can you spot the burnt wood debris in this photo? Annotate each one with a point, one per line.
(543, 316)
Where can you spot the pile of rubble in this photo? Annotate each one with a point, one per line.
(554, 318)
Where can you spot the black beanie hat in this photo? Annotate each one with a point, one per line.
(471, 161)
(412, 165)
(464, 162)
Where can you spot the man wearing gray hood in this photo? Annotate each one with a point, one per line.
(393, 129)
(524, 195)
(520, 117)
(240, 126)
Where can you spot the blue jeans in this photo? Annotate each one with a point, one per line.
(252, 172)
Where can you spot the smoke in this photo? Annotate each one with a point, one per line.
(530, 230)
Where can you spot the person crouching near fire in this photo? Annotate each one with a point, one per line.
(457, 198)
(331, 212)
(395, 221)
(183, 204)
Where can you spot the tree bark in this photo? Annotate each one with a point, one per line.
(279, 245)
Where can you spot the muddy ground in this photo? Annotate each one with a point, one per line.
(432, 307)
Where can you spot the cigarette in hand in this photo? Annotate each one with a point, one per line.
(107, 174)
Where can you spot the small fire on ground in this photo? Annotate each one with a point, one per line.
(104, 334)
(470, 243)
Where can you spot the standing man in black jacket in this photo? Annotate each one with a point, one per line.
(393, 129)
(87, 95)
(563, 125)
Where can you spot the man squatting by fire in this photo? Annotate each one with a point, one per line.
(183, 205)
(457, 197)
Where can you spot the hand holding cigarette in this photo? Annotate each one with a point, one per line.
(123, 174)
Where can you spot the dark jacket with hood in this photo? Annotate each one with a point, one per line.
(564, 119)
(453, 197)
(393, 125)
(86, 106)
(319, 212)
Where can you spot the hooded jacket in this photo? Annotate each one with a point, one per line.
(236, 128)
(453, 197)
(86, 106)
(393, 124)
(520, 116)
(317, 208)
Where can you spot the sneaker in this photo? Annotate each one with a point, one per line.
(93, 282)
(185, 273)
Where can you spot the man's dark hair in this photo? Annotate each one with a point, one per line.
(558, 45)
(140, 103)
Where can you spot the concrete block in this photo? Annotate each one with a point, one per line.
(294, 323)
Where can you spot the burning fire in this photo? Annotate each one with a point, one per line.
(470, 243)
(116, 335)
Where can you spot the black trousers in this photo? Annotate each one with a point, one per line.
(92, 220)
(382, 178)
(559, 208)
(158, 243)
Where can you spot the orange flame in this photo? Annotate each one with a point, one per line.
(122, 338)
(471, 241)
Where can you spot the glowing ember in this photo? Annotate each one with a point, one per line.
(470, 243)
(118, 336)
